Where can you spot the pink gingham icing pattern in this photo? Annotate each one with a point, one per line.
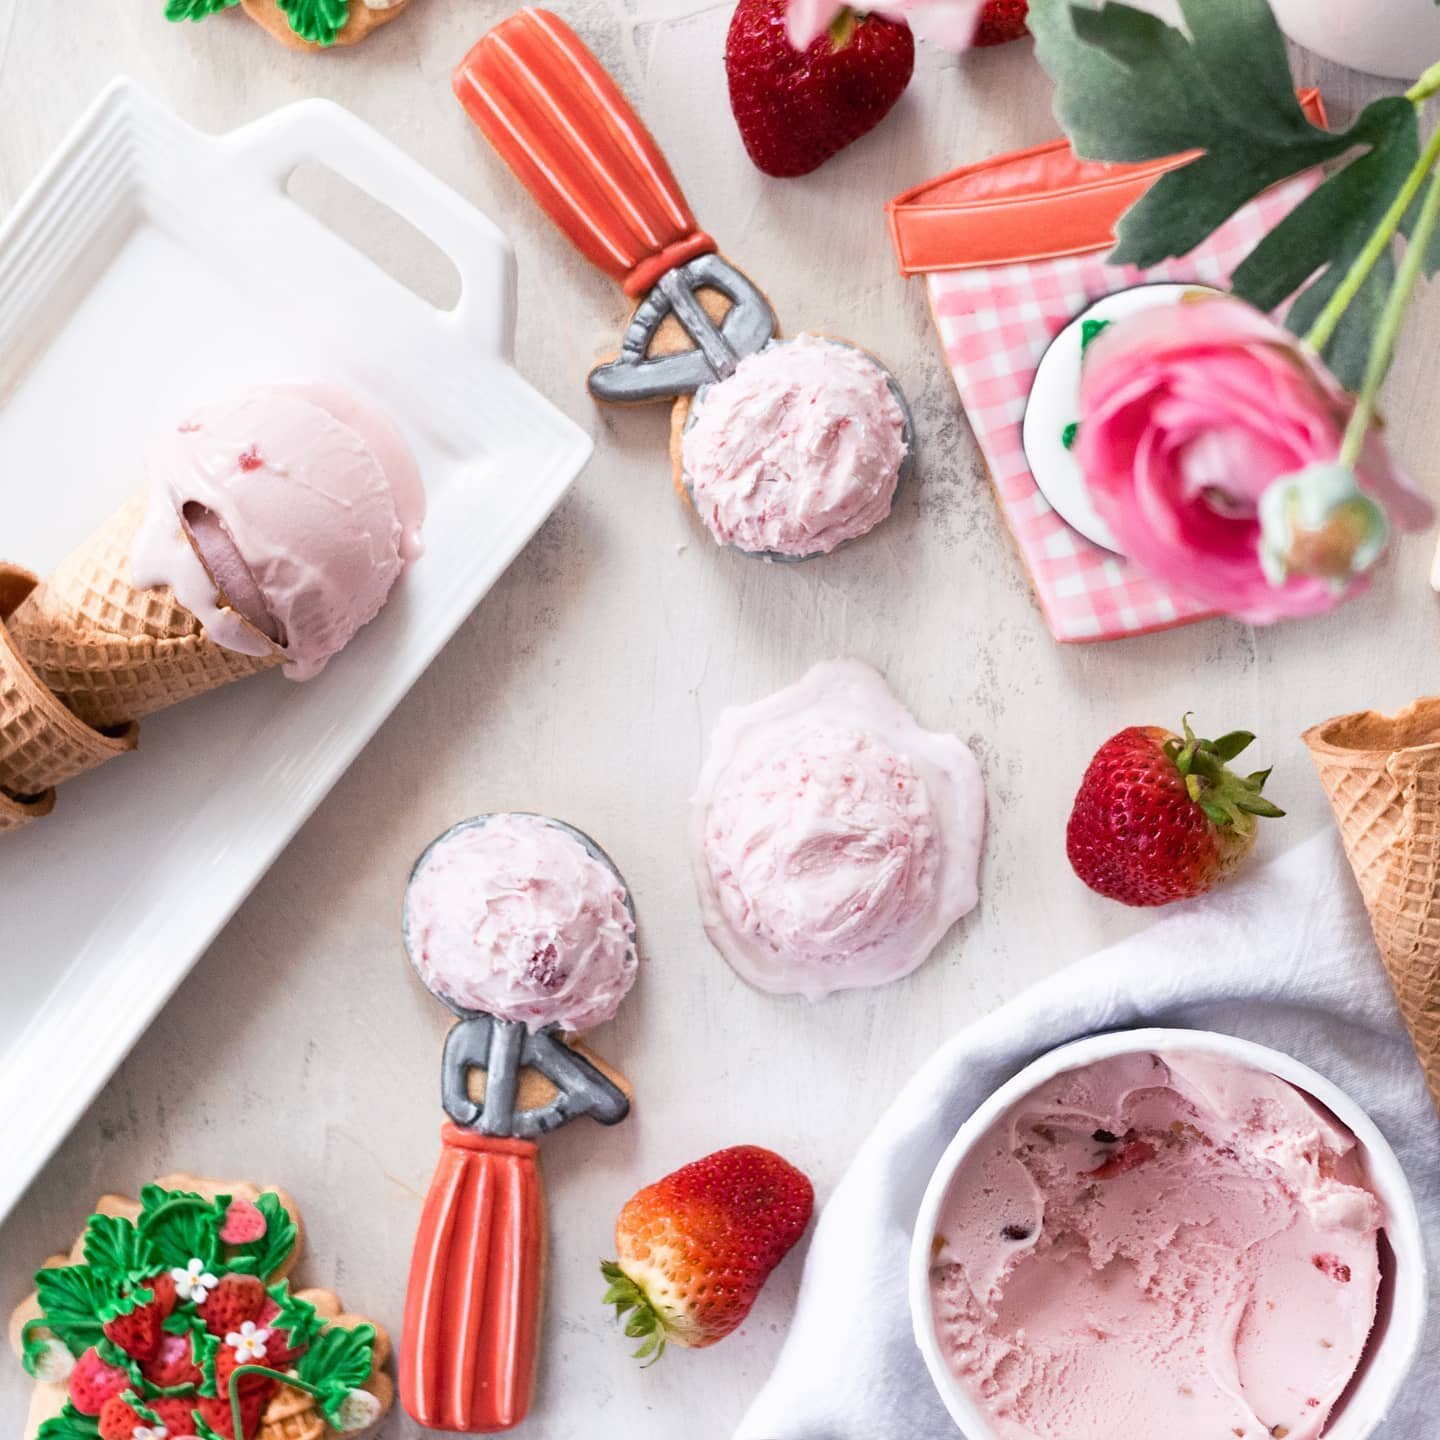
(995, 323)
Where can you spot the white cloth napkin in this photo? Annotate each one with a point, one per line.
(1283, 957)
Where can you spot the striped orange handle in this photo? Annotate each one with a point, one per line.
(472, 1310)
(559, 121)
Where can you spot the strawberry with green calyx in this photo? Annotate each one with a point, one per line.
(1161, 817)
(694, 1249)
(94, 1381)
(797, 108)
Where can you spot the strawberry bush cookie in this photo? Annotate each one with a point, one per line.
(301, 24)
(172, 1317)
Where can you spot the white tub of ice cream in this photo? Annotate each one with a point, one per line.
(1100, 1316)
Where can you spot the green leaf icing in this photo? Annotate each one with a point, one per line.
(70, 1298)
(1068, 434)
(181, 1226)
(204, 1431)
(70, 1424)
(318, 21)
(263, 1257)
(336, 1363)
(117, 1254)
(195, 9)
(298, 1318)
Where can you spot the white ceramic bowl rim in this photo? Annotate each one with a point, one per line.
(1387, 1361)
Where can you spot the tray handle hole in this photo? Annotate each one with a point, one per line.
(407, 255)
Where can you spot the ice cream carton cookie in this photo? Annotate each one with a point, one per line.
(820, 462)
(173, 1316)
(301, 24)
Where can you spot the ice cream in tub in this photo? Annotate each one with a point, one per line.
(1185, 1228)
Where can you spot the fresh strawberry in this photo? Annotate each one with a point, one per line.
(215, 1412)
(173, 1363)
(119, 1420)
(1160, 818)
(1002, 21)
(695, 1247)
(796, 109)
(93, 1382)
(236, 1299)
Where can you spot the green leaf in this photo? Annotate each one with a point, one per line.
(117, 1254)
(195, 9)
(338, 1361)
(70, 1298)
(1091, 330)
(204, 1431)
(1129, 87)
(1316, 244)
(69, 1424)
(1227, 747)
(181, 1226)
(1068, 434)
(263, 1257)
(298, 1318)
(318, 21)
(1258, 805)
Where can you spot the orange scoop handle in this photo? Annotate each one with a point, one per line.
(559, 121)
(472, 1310)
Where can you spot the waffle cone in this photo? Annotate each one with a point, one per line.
(42, 744)
(113, 652)
(1382, 774)
(291, 1415)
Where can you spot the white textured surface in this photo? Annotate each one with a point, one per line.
(300, 1049)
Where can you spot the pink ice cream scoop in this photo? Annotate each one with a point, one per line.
(282, 517)
(522, 918)
(1179, 1239)
(799, 450)
(834, 841)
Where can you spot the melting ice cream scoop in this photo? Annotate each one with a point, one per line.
(281, 517)
(834, 841)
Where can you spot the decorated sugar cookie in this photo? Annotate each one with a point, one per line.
(173, 1317)
(301, 24)
(786, 447)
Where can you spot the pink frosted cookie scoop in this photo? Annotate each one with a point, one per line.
(516, 917)
(797, 451)
(834, 841)
(285, 515)
(1179, 1239)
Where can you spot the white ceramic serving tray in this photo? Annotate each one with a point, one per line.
(147, 269)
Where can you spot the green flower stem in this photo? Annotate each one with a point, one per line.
(1425, 86)
(1391, 320)
(293, 1381)
(1325, 323)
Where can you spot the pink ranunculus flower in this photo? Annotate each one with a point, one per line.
(1189, 414)
(948, 23)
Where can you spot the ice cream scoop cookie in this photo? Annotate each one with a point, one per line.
(172, 1315)
(834, 841)
(301, 24)
(782, 473)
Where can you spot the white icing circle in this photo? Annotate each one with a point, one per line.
(1054, 403)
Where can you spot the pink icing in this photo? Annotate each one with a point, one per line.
(300, 505)
(1209, 1271)
(834, 841)
(798, 451)
(516, 918)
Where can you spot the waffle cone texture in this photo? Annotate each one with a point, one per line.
(1382, 774)
(42, 743)
(113, 653)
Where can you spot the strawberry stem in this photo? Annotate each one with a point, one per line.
(1228, 800)
(842, 28)
(645, 1323)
